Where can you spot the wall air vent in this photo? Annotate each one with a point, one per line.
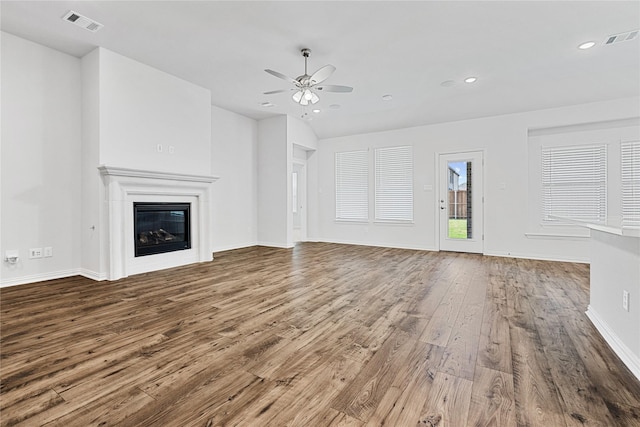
(623, 37)
(82, 21)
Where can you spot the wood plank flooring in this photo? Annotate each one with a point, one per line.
(320, 335)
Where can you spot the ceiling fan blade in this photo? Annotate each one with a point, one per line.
(334, 88)
(322, 74)
(283, 77)
(271, 92)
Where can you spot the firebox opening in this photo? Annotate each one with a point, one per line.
(161, 227)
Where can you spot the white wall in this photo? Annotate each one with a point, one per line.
(234, 158)
(142, 107)
(274, 168)
(93, 260)
(504, 140)
(40, 155)
(300, 133)
(616, 268)
(278, 138)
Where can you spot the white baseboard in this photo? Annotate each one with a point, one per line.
(375, 245)
(275, 245)
(93, 275)
(580, 260)
(39, 277)
(631, 360)
(232, 247)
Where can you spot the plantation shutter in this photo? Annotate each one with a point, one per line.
(574, 183)
(630, 153)
(352, 188)
(394, 184)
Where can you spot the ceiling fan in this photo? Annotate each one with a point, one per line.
(306, 85)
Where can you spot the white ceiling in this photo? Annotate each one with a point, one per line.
(524, 53)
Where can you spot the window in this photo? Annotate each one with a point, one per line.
(630, 161)
(352, 189)
(574, 183)
(394, 184)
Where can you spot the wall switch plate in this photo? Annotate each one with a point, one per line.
(172, 149)
(625, 300)
(48, 252)
(159, 148)
(35, 253)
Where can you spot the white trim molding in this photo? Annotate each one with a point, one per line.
(125, 186)
(140, 173)
(631, 360)
(42, 277)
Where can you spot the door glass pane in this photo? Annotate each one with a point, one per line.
(459, 203)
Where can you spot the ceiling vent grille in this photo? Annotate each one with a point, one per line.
(82, 21)
(623, 37)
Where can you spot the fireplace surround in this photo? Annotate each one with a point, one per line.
(124, 188)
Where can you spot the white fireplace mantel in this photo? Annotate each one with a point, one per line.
(124, 187)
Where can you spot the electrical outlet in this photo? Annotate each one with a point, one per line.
(48, 252)
(625, 300)
(35, 253)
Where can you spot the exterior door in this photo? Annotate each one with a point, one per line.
(461, 202)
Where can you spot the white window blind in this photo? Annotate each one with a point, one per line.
(630, 160)
(352, 186)
(574, 183)
(394, 184)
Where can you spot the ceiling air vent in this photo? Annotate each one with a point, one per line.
(623, 37)
(82, 21)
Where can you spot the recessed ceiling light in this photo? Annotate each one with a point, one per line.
(586, 45)
(268, 104)
(334, 106)
(316, 111)
(387, 97)
(470, 79)
(447, 83)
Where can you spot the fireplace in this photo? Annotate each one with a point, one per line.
(124, 188)
(161, 227)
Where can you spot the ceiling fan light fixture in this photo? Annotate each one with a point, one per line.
(306, 85)
(308, 95)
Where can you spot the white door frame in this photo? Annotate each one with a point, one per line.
(476, 244)
(302, 197)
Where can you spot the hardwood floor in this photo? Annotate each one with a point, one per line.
(319, 335)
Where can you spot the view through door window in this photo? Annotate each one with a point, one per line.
(459, 203)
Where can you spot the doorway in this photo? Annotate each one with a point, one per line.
(461, 202)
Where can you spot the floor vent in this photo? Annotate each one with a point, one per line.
(624, 37)
(82, 21)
